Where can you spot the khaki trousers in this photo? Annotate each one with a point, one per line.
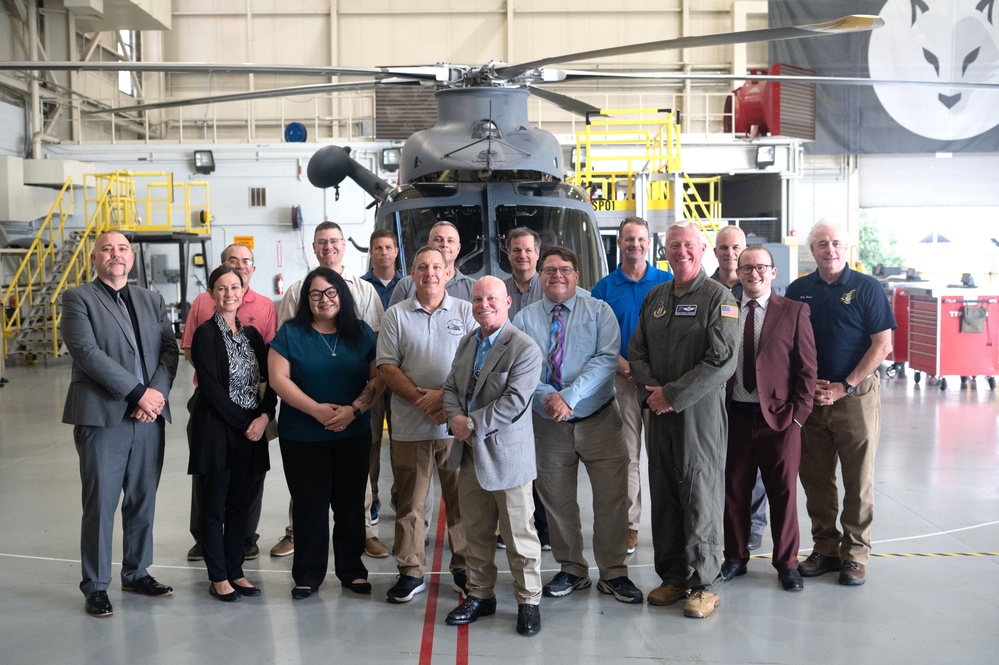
(413, 465)
(597, 443)
(512, 511)
(632, 424)
(847, 432)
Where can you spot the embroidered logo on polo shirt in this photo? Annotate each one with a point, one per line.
(848, 297)
(455, 327)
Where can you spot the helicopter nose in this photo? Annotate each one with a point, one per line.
(949, 100)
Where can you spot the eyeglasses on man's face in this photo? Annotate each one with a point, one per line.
(319, 295)
(322, 242)
(235, 262)
(760, 268)
(565, 271)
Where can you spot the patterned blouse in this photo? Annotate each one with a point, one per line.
(244, 372)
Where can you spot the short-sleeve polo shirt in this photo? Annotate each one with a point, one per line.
(844, 314)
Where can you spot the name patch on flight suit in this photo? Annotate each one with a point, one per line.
(685, 310)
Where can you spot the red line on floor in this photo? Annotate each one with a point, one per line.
(461, 649)
(430, 616)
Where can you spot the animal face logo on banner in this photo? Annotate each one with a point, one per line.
(947, 40)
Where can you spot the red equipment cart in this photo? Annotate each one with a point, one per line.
(898, 296)
(953, 331)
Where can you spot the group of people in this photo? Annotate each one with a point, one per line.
(503, 387)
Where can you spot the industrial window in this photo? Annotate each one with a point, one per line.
(126, 51)
(258, 197)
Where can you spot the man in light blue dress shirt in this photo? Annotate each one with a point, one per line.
(577, 419)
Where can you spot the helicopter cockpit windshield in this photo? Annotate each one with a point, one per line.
(558, 212)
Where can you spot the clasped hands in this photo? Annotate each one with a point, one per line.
(335, 417)
(657, 402)
(150, 406)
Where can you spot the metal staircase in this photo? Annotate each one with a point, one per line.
(629, 162)
(59, 257)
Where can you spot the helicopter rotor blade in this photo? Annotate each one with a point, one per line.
(426, 73)
(318, 88)
(582, 75)
(564, 101)
(844, 25)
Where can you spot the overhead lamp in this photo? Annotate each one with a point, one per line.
(204, 161)
(766, 155)
(390, 158)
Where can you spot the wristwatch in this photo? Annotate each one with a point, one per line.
(850, 390)
(357, 413)
(471, 425)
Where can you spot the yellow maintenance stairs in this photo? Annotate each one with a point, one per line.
(139, 204)
(629, 162)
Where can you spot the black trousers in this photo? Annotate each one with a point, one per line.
(322, 475)
(256, 494)
(226, 500)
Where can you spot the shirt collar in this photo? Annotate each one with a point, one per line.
(569, 304)
(762, 301)
(492, 338)
(620, 278)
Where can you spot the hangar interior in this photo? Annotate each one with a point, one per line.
(931, 196)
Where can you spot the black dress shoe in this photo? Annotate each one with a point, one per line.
(230, 597)
(471, 609)
(363, 588)
(248, 591)
(730, 571)
(790, 579)
(528, 620)
(98, 605)
(301, 593)
(147, 586)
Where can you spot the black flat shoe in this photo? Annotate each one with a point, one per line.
(248, 591)
(301, 593)
(363, 588)
(790, 579)
(528, 620)
(729, 570)
(471, 609)
(230, 597)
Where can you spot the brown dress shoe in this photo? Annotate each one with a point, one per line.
(819, 564)
(852, 574)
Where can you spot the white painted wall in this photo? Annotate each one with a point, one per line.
(238, 168)
(12, 130)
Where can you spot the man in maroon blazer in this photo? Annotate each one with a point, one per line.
(770, 396)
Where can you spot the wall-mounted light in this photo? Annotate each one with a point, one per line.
(766, 155)
(204, 161)
(390, 159)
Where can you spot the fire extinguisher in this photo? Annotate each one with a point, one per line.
(279, 284)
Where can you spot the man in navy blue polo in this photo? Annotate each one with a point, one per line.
(625, 290)
(852, 322)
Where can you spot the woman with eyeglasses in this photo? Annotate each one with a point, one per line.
(322, 366)
(228, 446)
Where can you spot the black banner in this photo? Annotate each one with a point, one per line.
(925, 40)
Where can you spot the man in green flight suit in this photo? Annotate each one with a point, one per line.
(682, 354)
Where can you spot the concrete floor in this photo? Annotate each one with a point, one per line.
(937, 493)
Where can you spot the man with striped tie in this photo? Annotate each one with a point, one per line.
(576, 419)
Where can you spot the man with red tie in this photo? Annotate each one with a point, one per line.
(770, 397)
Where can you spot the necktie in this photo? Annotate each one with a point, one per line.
(556, 347)
(130, 332)
(749, 348)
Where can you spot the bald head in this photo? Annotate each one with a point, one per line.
(490, 304)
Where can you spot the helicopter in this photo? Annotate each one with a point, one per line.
(483, 166)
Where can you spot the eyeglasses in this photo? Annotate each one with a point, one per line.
(759, 268)
(322, 242)
(317, 295)
(234, 261)
(565, 271)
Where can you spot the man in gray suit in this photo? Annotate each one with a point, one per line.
(487, 398)
(124, 362)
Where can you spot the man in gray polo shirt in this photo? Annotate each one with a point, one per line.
(416, 346)
(444, 236)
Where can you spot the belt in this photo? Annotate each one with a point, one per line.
(597, 412)
(748, 407)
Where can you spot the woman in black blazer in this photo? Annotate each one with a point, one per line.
(228, 446)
